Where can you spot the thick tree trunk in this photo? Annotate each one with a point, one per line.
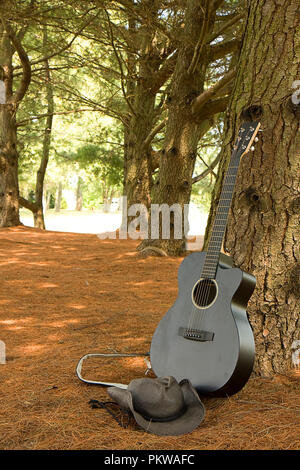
(137, 173)
(10, 100)
(137, 177)
(183, 129)
(9, 188)
(144, 79)
(263, 228)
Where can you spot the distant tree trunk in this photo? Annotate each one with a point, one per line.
(105, 197)
(38, 216)
(79, 198)
(263, 228)
(37, 207)
(58, 197)
(48, 199)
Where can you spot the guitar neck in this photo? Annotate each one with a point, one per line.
(246, 136)
(220, 222)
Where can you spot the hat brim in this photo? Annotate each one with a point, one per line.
(191, 418)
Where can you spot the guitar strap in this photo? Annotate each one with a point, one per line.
(108, 384)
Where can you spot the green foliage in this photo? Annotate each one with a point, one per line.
(89, 49)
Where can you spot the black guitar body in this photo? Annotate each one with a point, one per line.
(217, 355)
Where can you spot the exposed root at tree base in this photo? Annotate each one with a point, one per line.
(152, 251)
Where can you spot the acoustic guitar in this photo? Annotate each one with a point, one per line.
(206, 336)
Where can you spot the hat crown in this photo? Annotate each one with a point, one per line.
(157, 399)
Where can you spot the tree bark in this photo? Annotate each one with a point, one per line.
(38, 215)
(37, 207)
(137, 178)
(263, 227)
(144, 79)
(9, 188)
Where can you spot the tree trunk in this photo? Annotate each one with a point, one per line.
(37, 207)
(48, 198)
(263, 228)
(10, 100)
(38, 218)
(147, 72)
(183, 129)
(38, 215)
(141, 104)
(137, 177)
(9, 187)
(58, 197)
(79, 199)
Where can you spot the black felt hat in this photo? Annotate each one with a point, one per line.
(162, 405)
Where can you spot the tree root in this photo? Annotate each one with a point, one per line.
(155, 249)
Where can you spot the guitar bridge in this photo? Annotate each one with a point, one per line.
(196, 335)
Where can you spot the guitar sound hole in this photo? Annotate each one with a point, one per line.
(205, 292)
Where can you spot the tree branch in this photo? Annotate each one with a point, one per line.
(225, 26)
(64, 48)
(154, 131)
(26, 76)
(217, 4)
(201, 41)
(32, 206)
(162, 75)
(213, 91)
(58, 113)
(213, 107)
(209, 170)
(217, 51)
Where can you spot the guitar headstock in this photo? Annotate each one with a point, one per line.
(246, 136)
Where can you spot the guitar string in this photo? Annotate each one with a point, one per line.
(206, 291)
(200, 298)
(202, 287)
(208, 283)
(203, 291)
(199, 293)
(228, 187)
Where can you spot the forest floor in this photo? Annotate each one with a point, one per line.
(64, 295)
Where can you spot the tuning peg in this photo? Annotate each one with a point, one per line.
(256, 139)
(252, 148)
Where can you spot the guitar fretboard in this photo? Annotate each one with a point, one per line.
(219, 226)
(246, 136)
